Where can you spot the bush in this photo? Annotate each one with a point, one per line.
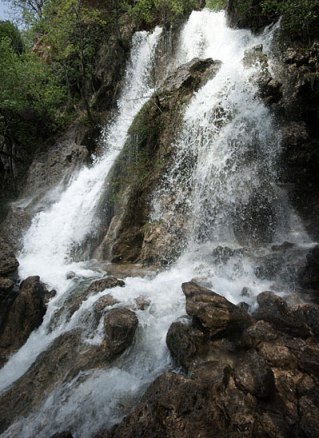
(300, 18)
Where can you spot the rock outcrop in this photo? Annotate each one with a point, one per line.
(130, 236)
(261, 381)
(25, 314)
(63, 361)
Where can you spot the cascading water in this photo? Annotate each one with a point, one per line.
(226, 163)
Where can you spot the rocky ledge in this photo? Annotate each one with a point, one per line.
(243, 376)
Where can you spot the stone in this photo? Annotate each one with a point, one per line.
(214, 314)
(276, 311)
(6, 285)
(258, 333)
(105, 283)
(25, 315)
(253, 375)
(184, 343)
(202, 405)
(8, 261)
(103, 302)
(120, 327)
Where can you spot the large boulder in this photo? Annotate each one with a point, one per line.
(25, 315)
(215, 315)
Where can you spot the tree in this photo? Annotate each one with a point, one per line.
(30, 9)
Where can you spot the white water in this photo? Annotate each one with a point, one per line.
(224, 125)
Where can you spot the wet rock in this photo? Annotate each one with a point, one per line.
(6, 285)
(192, 75)
(70, 275)
(178, 406)
(142, 303)
(214, 314)
(120, 327)
(309, 275)
(105, 283)
(25, 315)
(65, 359)
(275, 310)
(184, 343)
(309, 411)
(260, 332)
(102, 303)
(62, 435)
(254, 375)
(277, 354)
(8, 261)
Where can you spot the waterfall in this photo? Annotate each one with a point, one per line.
(226, 163)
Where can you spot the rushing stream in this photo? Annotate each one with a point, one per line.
(229, 146)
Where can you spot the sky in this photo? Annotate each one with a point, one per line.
(4, 11)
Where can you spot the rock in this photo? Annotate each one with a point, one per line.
(278, 355)
(275, 310)
(191, 75)
(63, 361)
(24, 316)
(184, 343)
(258, 333)
(8, 261)
(309, 411)
(309, 275)
(6, 285)
(178, 406)
(62, 435)
(105, 283)
(142, 303)
(214, 314)
(102, 303)
(253, 375)
(120, 327)
(70, 275)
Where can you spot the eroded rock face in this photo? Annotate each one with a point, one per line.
(63, 361)
(130, 236)
(105, 283)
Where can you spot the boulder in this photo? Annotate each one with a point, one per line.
(276, 311)
(215, 315)
(254, 375)
(104, 283)
(8, 261)
(25, 315)
(120, 327)
(184, 343)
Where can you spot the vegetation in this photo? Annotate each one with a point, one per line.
(216, 5)
(299, 18)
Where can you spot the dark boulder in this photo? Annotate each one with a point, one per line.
(276, 311)
(8, 261)
(253, 375)
(120, 327)
(184, 343)
(104, 283)
(215, 315)
(24, 316)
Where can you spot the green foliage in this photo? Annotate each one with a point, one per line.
(165, 11)
(29, 92)
(8, 30)
(216, 5)
(300, 18)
